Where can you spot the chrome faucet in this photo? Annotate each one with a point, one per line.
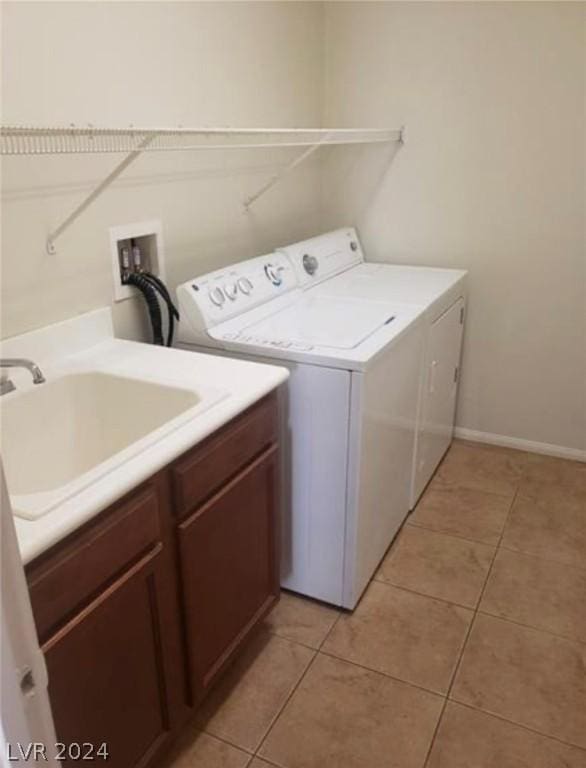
(6, 384)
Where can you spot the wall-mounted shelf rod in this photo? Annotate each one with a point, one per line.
(281, 174)
(133, 141)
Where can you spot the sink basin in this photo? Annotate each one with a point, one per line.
(58, 437)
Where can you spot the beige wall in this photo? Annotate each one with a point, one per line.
(237, 64)
(492, 179)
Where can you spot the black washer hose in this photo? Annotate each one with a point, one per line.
(164, 292)
(150, 297)
(172, 310)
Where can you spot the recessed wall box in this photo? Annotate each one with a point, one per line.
(148, 236)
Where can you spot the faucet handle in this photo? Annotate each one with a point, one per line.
(6, 385)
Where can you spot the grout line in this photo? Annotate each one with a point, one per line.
(223, 739)
(542, 557)
(451, 485)
(515, 724)
(170, 763)
(264, 759)
(282, 708)
(274, 719)
(330, 630)
(470, 608)
(331, 655)
(454, 535)
(573, 566)
(576, 640)
(252, 751)
(313, 648)
(466, 639)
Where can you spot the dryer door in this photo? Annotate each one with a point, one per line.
(438, 406)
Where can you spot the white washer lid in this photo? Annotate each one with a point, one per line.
(325, 321)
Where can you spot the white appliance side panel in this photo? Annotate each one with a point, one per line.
(316, 450)
(382, 443)
(26, 714)
(315, 409)
(438, 407)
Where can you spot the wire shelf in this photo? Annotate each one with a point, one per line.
(38, 140)
(131, 141)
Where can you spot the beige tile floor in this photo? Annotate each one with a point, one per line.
(468, 649)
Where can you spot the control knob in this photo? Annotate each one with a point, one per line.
(245, 285)
(273, 274)
(310, 264)
(231, 290)
(217, 296)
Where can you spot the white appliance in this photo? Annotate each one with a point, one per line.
(441, 294)
(27, 734)
(353, 396)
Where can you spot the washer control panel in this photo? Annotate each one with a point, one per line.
(227, 293)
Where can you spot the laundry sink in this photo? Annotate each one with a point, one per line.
(58, 437)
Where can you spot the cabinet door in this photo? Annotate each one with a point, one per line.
(106, 671)
(439, 394)
(229, 567)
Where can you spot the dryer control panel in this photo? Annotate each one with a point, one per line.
(324, 256)
(226, 293)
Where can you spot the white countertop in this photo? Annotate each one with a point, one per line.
(243, 383)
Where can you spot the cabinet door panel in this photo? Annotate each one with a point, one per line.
(106, 673)
(81, 568)
(197, 475)
(229, 567)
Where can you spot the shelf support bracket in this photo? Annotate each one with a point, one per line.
(122, 166)
(282, 173)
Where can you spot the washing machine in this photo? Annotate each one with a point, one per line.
(352, 403)
(441, 295)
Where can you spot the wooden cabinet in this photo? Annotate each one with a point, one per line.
(140, 610)
(229, 582)
(107, 670)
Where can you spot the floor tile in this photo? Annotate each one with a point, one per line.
(414, 638)
(201, 750)
(462, 512)
(470, 739)
(343, 716)
(542, 593)
(258, 763)
(441, 566)
(551, 525)
(301, 620)
(546, 470)
(526, 676)
(481, 468)
(252, 692)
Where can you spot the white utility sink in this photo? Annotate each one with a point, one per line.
(58, 437)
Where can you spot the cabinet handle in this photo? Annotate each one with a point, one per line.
(27, 682)
(432, 377)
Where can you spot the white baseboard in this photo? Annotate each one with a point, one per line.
(531, 446)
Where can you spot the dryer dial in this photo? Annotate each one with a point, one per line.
(310, 264)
